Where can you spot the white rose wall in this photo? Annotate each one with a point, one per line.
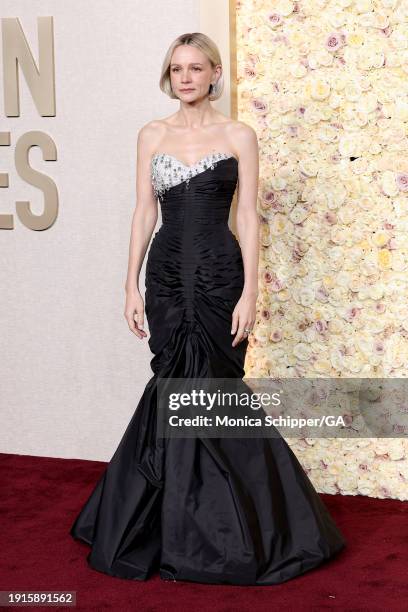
(325, 86)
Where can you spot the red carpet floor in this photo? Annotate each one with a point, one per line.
(41, 496)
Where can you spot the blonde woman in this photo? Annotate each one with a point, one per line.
(211, 510)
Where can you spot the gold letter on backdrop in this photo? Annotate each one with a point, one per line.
(6, 221)
(40, 81)
(33, 177)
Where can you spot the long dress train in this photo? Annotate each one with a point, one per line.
(212, 510)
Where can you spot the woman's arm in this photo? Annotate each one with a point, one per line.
(248, 228)
(143, 223)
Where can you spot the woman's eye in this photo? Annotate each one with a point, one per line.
(195, 68)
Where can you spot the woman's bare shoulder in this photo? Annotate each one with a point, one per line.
(244, 139)
(241, 130)
(155, 126)
(150, 134)
(162, 122)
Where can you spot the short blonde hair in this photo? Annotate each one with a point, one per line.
(208, 47)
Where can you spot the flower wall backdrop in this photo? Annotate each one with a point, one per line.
(325, 86)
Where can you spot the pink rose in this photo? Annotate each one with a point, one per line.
(352, 313)
(274, 18)
(402, 181)
(322, 294)
(249, 72)
(379, 348)
(277, 285)
(276, 335)
(269, 196)
(334, 41)
(320, 326)
(259, 106)
(330, 217)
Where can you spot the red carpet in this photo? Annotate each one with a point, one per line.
(41, 497)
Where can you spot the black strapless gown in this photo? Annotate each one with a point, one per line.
(225, 510)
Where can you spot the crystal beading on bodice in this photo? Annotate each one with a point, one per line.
(167, 171)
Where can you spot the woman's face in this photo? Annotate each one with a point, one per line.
(191, 73)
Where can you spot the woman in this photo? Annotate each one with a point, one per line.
(225, 510)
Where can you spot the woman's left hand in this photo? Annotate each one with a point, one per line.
(243, 316)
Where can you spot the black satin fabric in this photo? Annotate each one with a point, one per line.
(222, 511)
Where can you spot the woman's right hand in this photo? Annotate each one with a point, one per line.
(134, 309)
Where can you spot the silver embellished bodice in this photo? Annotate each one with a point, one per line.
(168, 171)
